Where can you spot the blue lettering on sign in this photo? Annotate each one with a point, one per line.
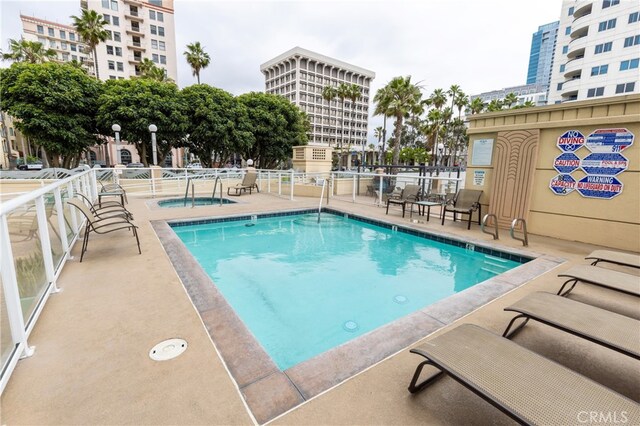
(570, 141)
(562, 184)
(609, 164)
(609, 140)
(566, 162)
(603, 187)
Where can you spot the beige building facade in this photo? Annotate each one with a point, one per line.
(572, 171)
(300, 76)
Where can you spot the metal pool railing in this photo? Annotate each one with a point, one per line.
(37, 231)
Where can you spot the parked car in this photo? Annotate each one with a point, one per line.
(30, 166)
(134, 165)
(194, 166)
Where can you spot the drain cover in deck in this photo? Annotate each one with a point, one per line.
(168, 349)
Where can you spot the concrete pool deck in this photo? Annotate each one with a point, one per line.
(91, 364)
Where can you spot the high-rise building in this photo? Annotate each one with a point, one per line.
(300, 76)
(598, 50)
(536, 93)
(59, 37)
(543, 44)
(137, 29)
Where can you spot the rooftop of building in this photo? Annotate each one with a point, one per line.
(300, 52)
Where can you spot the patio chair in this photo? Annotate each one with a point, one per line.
(112, 190)
(616, 257)
(466, 202)
(607, 278)
(101, 226)
(597, 325)
(106, 209)
(527, 387)
(248, 183)
(410, 194)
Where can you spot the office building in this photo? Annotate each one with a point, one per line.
(543, 44)
(536, 93)
(300, 76)
(598, 50)
(63, 39)
(137, 29)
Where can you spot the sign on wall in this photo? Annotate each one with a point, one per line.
(482, 151)
(601, 165)
(478, 177)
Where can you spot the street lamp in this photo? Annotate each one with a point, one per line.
(440, 151)
(116, 128)
(380, 146)
(153, 129)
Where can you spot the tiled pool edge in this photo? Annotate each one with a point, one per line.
(270, 392)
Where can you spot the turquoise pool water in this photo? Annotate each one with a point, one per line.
(199, 201)
(303, 288)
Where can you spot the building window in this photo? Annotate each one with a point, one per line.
(107, 18)
(602, 69)
(565, 49)
(51, 32)
(63, 45)
(154, 29)
(163, 59)
(109, 35)
(118, 51)
(634, 17)
(161, 45)
(115, 21)
(52, 44)
(631, 41)
(629, 65)
(152, 14)
(607, 25)
(63, 34)
(116, 36)
(74, 57)
(74, 47)
(571, 9)
(72, 36)
(112, 77)
(598, 91)
(125, 156)
(155, 2)
(105, 4)
(40, 29)
(562, 67)
(112, 65)
(161, 31)
(65, 57)
(609, 3)
(567, 31)
(625, 87)
(42, 40)
(154, 58)
(160, 16)
(120, 66)
(605, 47)
(109, 50)
(114, 5)
(154, 44)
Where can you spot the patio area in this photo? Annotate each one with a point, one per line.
(91, 364)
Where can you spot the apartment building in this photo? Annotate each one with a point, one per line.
(598, 50)
(536, 93)
(59, 37)
(543, 45)
(137, 29)
(300, 76)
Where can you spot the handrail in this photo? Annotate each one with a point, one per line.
(186, 191)
(525, 235)
(324, 184)
(215, 185)
(485, 220)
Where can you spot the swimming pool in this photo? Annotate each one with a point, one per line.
(304, 287)
(198, 201)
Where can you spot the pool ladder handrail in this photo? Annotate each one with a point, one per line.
(525, 235)
(186, 193)
(485, 220)
(215, 185)
(324, 184)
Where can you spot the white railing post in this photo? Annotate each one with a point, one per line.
(279, 183)
(292, 184)
(45, 242)
(353, 190)
(380, 188)
(74, 218)
(153, 183)
(11, 293)
(61, 223)
(93, 184)
(260, 181)
(268, 182)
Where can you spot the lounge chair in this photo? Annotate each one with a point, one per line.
(248, 183)
(112, 190)
(597, 325)
(619, 258)
(526, 386)
(106, 209)
(101, 226)
(466, 202)
(410, 194)
(607, 278)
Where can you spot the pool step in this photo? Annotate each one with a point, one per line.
(495, 265)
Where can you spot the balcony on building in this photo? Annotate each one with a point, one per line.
(134, 2)
(135, 59)
(579, 32)
(136, 29)
(577, 51)
(582, 8)
(570, 86)
(572, 66)
(135, 44)
(133, 14)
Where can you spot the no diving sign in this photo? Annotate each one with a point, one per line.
(570, 141)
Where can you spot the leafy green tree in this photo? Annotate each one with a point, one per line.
(276, 126)
(137, 103)
(527, 104)
(476, 106)
(28, 51)
(329, 93)
(90, 27)
(399, 97)
(55, 105)
(510, 99)
(354, 92)
(197, 58)
(217, 123)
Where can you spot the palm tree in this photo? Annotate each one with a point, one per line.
(329, 93)
(454, 91)
(146, 66)
(90, 27)
(197, 58)
(353, 94)
(381, 99)
(510, 99)
(476, 106)
(494, 105)
(342, 92)
(28, 51)
(401, 97)
(461, 101)
(527, 104)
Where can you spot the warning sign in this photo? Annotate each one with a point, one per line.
(571, 141)
(609, 140)
(609, 164)
(566, 162)
(604, 187)
(562, 184)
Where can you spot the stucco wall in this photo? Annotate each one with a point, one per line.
(614, 222)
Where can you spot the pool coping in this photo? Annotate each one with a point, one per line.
(270, 392)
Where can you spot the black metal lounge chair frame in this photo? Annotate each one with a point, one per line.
(575, 282)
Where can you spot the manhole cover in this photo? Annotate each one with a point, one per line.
(168, 349)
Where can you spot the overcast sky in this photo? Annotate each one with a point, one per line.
(478, 44)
